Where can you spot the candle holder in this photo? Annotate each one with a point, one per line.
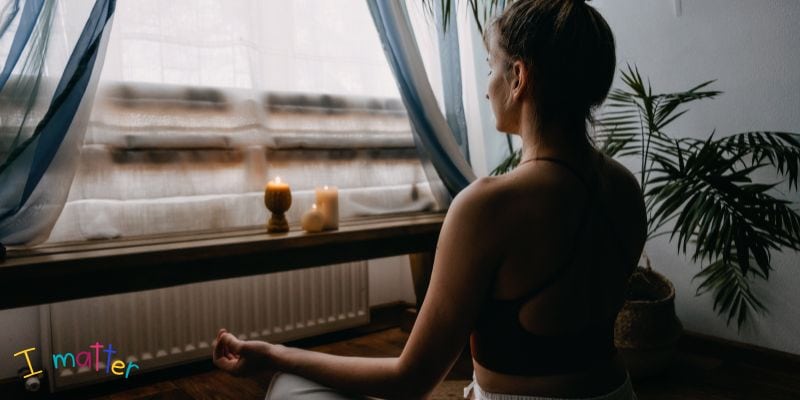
(278, 202)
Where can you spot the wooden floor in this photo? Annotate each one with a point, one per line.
(690, 377)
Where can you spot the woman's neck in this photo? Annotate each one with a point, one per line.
(556, 142)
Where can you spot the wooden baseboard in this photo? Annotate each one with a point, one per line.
(729, 350)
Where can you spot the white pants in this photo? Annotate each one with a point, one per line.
(623, 392)
(289, 386)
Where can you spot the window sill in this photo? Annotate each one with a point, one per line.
(67, 271)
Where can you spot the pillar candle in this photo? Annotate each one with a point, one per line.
(328, 204)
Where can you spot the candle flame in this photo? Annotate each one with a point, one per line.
(277, 179)
(314, 206)
(325, 187)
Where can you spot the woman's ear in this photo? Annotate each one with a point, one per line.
(519, 79)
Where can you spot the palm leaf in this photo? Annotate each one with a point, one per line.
(670, 103)
(509, 163)
(731, 291)
(781, 149)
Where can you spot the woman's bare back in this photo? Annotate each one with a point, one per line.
(547, 203)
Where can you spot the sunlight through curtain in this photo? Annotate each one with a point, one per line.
(52, 54)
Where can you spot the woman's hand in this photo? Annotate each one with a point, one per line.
(240, 357)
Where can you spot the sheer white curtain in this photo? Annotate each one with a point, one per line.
(202, 102)
(50, 55)
(311, 46)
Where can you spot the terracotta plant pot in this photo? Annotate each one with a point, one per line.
(647, 329)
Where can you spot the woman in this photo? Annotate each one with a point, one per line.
(530, 266)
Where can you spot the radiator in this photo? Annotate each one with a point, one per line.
(164, 327)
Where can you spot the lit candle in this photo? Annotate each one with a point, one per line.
(278, 199)
(312, 220)
(277, 185)
(328, 203)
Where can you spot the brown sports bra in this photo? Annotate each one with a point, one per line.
(500, 343)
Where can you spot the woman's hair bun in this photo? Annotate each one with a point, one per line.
(571, 50)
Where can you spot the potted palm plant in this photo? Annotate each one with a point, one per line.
(701, 193)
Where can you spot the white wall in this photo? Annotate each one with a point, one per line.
(390, 281)
(751, 48)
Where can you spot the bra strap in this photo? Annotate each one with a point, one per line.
(565, 165)
(590, 189)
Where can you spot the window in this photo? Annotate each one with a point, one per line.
(200, 103)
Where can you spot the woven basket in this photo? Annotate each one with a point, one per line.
(647, 329)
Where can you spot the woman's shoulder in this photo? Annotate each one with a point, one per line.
(622, 186)
(492, 191)
(545, 187)
(503, 200)
(480, 195)
(550, 191)
(624, 202)
(620, 175)
(485, 202)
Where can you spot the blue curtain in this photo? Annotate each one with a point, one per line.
(40, 134)
(450, 56)
(434, 136)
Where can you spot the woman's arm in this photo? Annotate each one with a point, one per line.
(376, 377)
(467, 254)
